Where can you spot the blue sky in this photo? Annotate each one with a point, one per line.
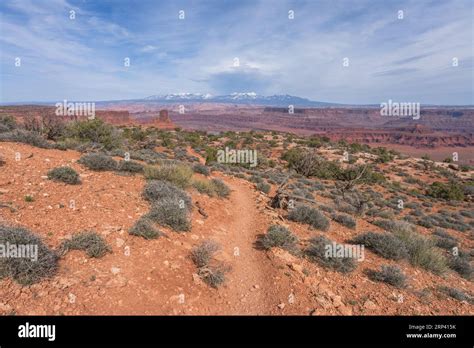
(409, 59)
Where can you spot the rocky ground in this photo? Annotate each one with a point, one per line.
(158, 277)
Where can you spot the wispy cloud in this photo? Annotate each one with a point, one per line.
(83, 58)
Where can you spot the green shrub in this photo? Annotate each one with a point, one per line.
(308, 163)
(395, 226)
(278, 236)
(171, 213)
(221, 188)
(204, 186)
(256, 179)
(201, 169)
(94, 131)
(392, 275)
(24, 270)
(98, 162)
(25, 137)
(144, 228)
(264, 187)
(91, 242)
(345, 220)
(7, 123)
(130, 166)
(178, 174)
(156, 190)
(451, 191)
(384, 244)
(422, 252)
(64, 174)
(313, 217)
(316, 252)
(29, 198)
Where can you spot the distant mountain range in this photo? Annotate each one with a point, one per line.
(245, 98)
(238, 98)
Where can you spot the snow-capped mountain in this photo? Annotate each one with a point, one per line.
(247, 98)
(180, 96)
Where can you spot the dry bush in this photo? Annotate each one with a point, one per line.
(64, 174)
(383, 244)
(316, 252)
(278, 236)
(91, 242)
(202, 254)
(171, 213)
(23, 270)
(392, 275)
(144, 228)
(178, 174)
(313, 217)
(98, 162)
(156, 190)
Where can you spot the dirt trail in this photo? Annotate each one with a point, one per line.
(250, 278)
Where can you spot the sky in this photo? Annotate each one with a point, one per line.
(46, 55)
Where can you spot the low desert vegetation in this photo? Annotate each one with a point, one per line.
(98, 162)
(24, 270)
(130, 167)
(312, 178)
(444, 240)
(178, 174)
(403, 243)
(263, 187)
(384, 244)
(156, 190)
(316, 252)
(7, 123)
(450, 191)
(457, 294)
(213, 276)
(201, 169)
(212, 188)
(389, 274)
(29, 198)
(345, 220)
(172, 213)
(462, 265)
(422, 252)
(212, 273)
(25, 137)
(396, 226)
(202, 254)
(311, 216)
(278, 236)
(221, 189)
(90, 242)
(64, 174)
(94, 134)
(144, 228)
(204, 186)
